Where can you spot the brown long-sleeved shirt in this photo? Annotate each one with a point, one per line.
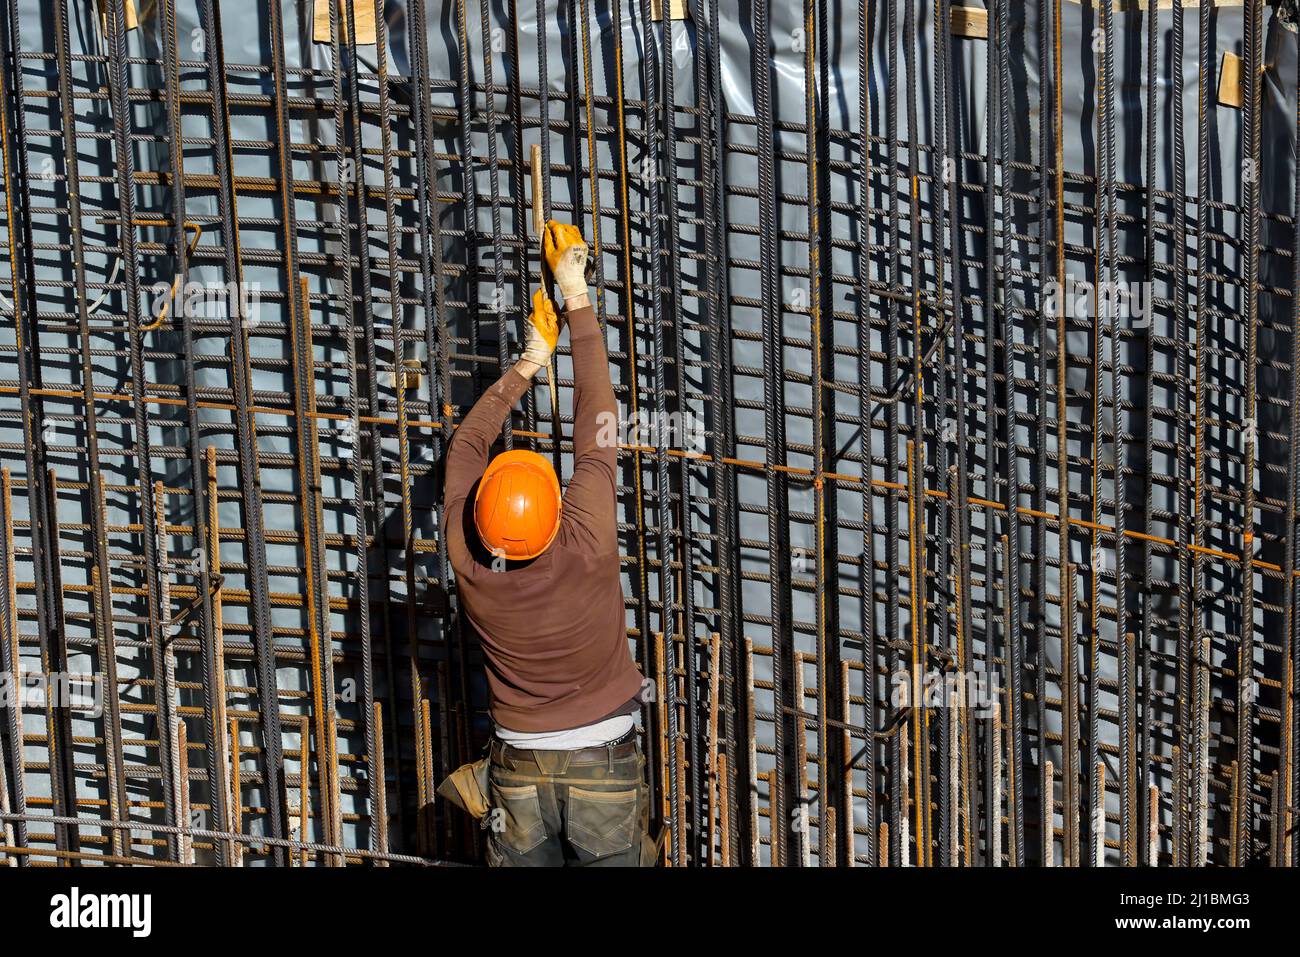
(553, 629)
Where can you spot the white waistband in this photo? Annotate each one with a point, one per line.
(570, 739)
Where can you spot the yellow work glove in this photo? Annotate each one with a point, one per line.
(566, 254)
(543, 330)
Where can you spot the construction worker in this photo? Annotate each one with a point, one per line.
(537, 572)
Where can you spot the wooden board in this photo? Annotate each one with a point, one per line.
(1230, 81)
(106, 9)
(972, 22)
(363, 10)
(676, 9)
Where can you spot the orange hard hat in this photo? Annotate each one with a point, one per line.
(517, 506)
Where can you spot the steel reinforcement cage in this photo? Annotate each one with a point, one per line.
(958, 444)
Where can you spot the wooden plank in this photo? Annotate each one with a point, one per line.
(1230, 81)
(106, 8)
(970, 22)
(676, 10)
(363, 10)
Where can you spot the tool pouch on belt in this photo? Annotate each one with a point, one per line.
(467, 788)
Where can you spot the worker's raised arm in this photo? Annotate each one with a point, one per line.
(468, 455)
(595, 414)
(589, 514)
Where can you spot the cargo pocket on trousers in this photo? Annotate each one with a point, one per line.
(601, 822)
(516, 818)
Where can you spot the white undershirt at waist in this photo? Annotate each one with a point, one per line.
(570, 739)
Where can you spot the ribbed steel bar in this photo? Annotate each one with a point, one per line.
(250, 481)
(1151, 26)
(425, 784)
(713, 159)
(213, 662)
(898, 850)
(770, 299)
(436, 334)
(867, 575)
(1200, 640)
(1041, 354)
(652, 117)
(1243, 837)
(1014, 653)
(356, 164)
(641, 581)
(684, 537)
(347, 176)
(1107, 310)
(153, 572)
(22, 300)
(1288, 756)
(113, 748)
(1186, 583)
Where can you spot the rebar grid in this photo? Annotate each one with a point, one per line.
(863, 395)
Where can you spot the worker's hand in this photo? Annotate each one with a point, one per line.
(566, 254)
(543, 330)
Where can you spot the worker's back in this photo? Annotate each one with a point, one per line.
(553, 630)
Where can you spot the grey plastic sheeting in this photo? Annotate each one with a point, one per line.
(245, 40)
